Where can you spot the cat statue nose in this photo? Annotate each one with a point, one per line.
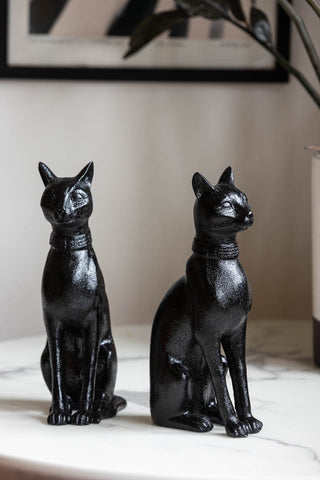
(61, 215)
(250, 217)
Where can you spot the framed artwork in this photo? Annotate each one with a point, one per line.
(81, 39)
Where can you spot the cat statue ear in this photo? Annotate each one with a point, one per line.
(46, 174)
(200, 185)
(227, 177)
(86, 174)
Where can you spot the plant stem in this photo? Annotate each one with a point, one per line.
(304, 34)
(315, 6)
(283, 62)
(280, 58)
(296, 73)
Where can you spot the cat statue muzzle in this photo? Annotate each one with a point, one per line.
(79, 362)
(203, 310)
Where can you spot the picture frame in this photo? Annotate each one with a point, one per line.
(33, 56)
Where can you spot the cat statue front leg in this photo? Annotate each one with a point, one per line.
(234, 347)
(210, 346)
(90, 355)
(60, 410)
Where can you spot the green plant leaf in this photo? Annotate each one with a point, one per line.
(152, 27)
(236, 9)
(211, 9)
(260, 25)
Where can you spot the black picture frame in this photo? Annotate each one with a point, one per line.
(276, 74)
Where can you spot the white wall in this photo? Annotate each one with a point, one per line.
(146, 141)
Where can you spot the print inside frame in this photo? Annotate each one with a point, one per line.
(77, 39)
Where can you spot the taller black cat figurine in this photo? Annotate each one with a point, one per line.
(204, 309)
(79, 362)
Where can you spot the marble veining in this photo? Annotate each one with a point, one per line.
(285, 393)
(19, 371)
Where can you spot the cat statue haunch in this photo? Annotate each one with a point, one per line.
(207, 307)
(79, 362)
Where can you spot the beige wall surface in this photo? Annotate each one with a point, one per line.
(146, 141)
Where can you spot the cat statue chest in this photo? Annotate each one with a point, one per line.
(220, 288)
(78, 276)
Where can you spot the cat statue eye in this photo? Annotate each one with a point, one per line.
(206, 308)
(79, 362)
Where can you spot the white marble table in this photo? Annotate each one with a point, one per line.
(285, 395)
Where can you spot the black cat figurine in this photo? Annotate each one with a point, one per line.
(204, 309)
(79, 362)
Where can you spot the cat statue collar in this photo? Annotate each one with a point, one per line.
(224, 251)
(66, 243)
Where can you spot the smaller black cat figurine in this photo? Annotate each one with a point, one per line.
(204, 309)
(79, 362)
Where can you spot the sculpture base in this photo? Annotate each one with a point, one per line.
(316, 341)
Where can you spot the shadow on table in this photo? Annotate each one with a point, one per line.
(135, 419)
(146, 422)
(37, 409)
(13, 471)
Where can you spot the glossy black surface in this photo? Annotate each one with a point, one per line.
(316, 341)
(203, 310)
(79, 362)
